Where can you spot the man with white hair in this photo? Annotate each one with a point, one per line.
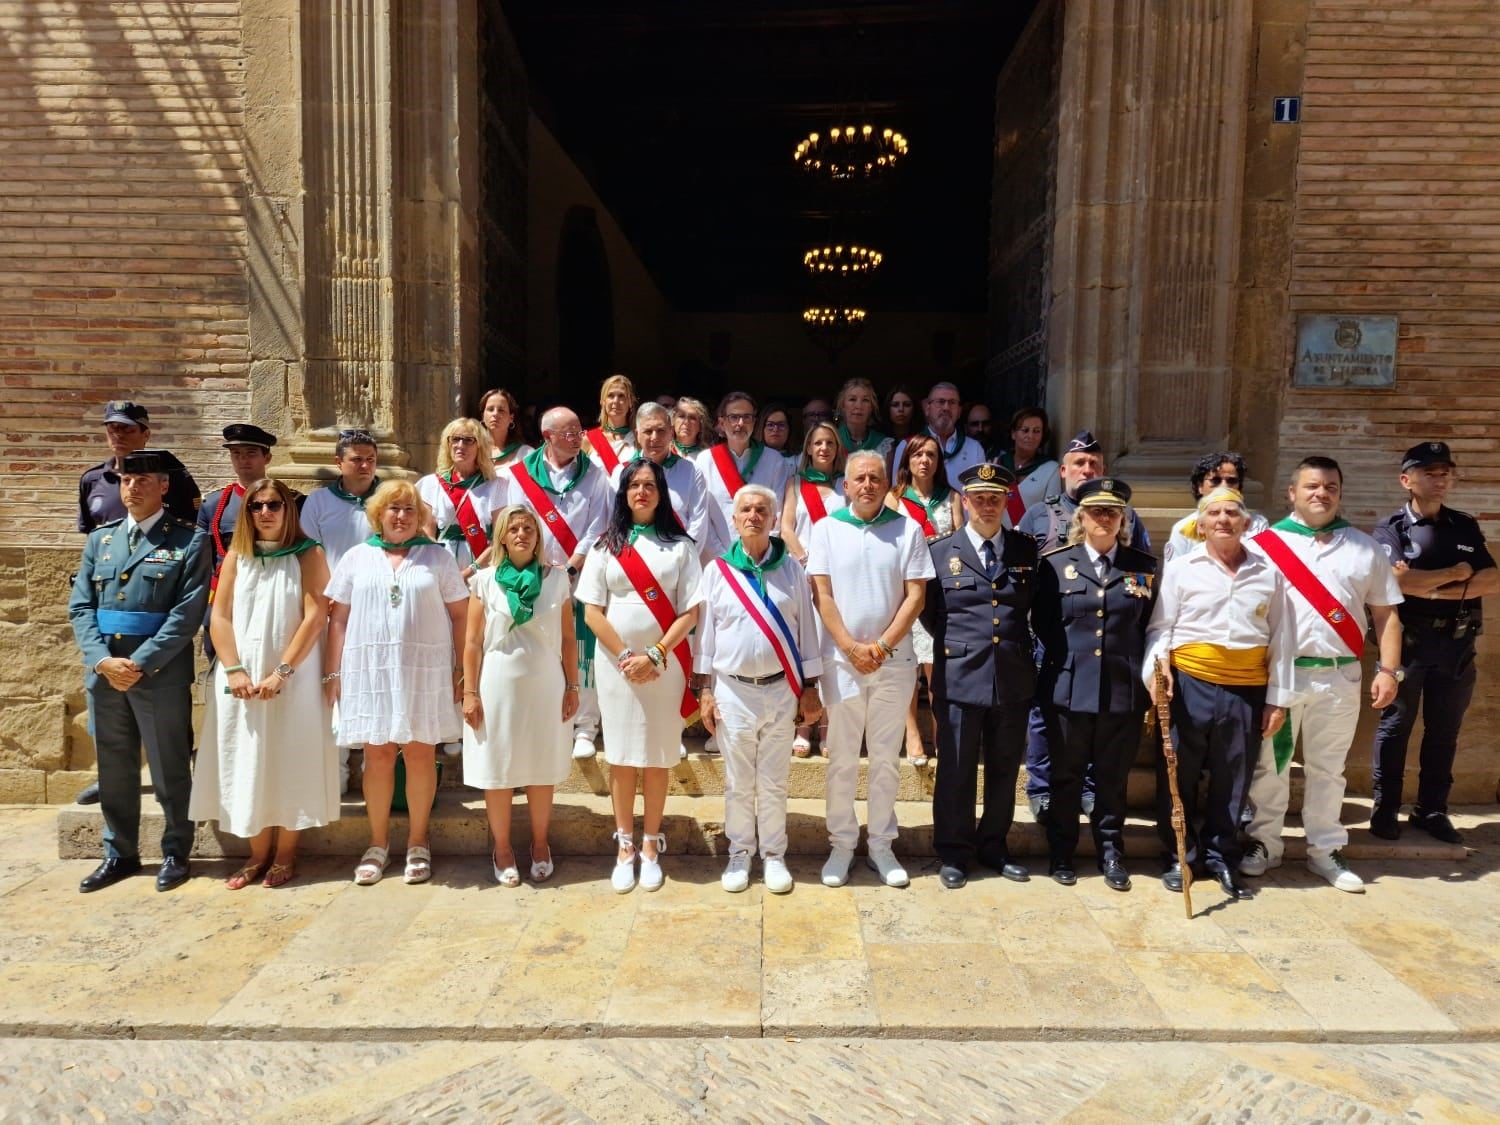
(960, 452)
(653, 437)
(757, 669)
(869, 566)
(571, 497)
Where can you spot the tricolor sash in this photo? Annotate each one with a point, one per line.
(609, 460)
(660, 605)
(1306, 583)
(552, 519)
(729, 473)
(919, 513)
(466, 519)
(812, 500)
(780, 635)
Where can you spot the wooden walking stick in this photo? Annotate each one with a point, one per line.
(1169, 754)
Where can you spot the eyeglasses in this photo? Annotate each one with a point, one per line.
(459, 439)
(739, 417)
(567, 435)
(265, 505)
(777, 426)
(1217, 479)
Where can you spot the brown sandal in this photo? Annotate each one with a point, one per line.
(245, 876)
(279, 874)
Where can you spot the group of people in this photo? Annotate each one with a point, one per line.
(665, 567)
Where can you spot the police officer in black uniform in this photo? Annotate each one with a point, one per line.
(128, 428)
(137, 600)
(1093, 603)
(1444, 569)
(978, 611)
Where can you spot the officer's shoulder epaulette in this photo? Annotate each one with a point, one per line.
(1459, 517)
(110, 523)
(1058, 550)
(1053, 500)
(1126, 554)
(99, 468)
(177, 521)
(943, 538)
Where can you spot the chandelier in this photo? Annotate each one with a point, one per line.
(842, 261)
(850, 152)
(833, 328)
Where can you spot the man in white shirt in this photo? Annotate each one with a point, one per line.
(571, 497)
(960, 452)
(1334, 571)
(869, 567)
(736, 462)
(758, 664)
(653, 435)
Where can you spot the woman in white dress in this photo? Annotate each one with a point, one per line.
(521, 688)
(1037, 473)
(500, 411)
(460, 496)
(266, 758)
(639, 587)
(395, 639)
(921, 491)
(822, 476)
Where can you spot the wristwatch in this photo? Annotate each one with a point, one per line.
(284, 671)
(1397, 674)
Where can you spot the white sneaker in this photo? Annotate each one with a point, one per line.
(1336, 871)
(681, 751)
(736, 876)
(836, 870)
(623, 877)
(711, 744)
(583, 748)
(778, 878)
(651, 876)
(1257, 861)
(883, 860)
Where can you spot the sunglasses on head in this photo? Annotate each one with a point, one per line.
(266, 505)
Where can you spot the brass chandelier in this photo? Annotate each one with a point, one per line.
(833, 327)
(850, 152)
(826, 262)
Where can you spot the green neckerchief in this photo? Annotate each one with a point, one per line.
(756, 449)
(378, 540)
(614, 431)
(885, 516)
(872, 439)
(670, 460)
(294, 549)
(818, 476)
(939, 496)
(1008, 460)
(468, 482)
(688, 450)
(740, 559)
(501, 454)
(336, 487)
(1296, 528)
(521, 586)
(536, 467)
(639, 529)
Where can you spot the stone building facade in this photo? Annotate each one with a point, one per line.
(315, 215)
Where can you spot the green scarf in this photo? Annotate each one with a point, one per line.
(1008, 460)
(740, 559)
(818, 476)
(536, 467)
(639, 529)
(756, 449)
(468, 482)
(939, 497)
(1297, 528)
(378, 540)
(885, 516)
(688, 450)
(501, 454)
(337, 488)
(872, 439)
(670, 460)
(614, 431)
(521, 586)
(282, 552)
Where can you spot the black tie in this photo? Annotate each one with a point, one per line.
(989, 559)
(133, 538)
(1103, 567)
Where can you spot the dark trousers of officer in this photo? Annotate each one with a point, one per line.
(162, 718)
(1039, 756)
(967, 737)
(1214, 728)
(1440, 683)
(1084, 743)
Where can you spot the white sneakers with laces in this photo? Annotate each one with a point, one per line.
(836, 869)
(882, 860)
(778, 878)
(1257, 861)
(736, 876)
(1333, 868)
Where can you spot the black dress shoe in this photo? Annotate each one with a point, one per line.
(173, 873)
(1232, 885)
(1435, 824)
(109, 872)
(1171, 878)
(953, 876)
(89, 796)
(1062, 872)
(1002, 864)
(1385, 825)
(1115, 874)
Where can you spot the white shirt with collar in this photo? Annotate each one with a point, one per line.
(1354, 569)
(966, 454)
(145, 525)
(772, 470)
(586, 508)
(729, 640)
(978, 541)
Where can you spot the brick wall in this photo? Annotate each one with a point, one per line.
(122, 240)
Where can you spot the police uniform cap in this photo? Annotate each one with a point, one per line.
(243, 433)
(149, 461)
(126, 412)
(1084, 442)
(1427, 453)
(1103, 492)
(985, 477)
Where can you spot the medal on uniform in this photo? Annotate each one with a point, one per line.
(1070, 572)
(955, 565)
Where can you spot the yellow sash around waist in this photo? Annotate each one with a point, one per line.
(1231, 667)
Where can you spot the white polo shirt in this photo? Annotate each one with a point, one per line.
(1355, 570)
(339, 524)
(868, 567)
(729, 640)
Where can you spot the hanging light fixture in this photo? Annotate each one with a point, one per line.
(842, 261)
(850, 152)
(833, 328)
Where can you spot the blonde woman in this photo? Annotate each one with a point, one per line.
(692, 427)
(460, 495)
(612, 441)
(858, 410)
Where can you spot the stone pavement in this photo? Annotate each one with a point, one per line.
(395, 1002)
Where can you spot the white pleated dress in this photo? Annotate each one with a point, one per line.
(267, 762)
(523, 740)
(396, 675)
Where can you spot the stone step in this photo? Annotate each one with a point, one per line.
(582, 825)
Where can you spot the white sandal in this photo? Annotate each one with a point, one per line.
(651, 876)
(623, 876)
(506, 876)
(418, 864)
(541, 869)
(372, 866)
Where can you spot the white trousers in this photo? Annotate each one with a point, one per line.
(754, 735)
(1325, 713)
(876, 714)
(586, 718)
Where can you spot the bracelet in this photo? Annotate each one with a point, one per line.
(473, 693)
(328, 679)
(885, 648)
(235, 668)
(625, 654)
(654, 655)
(570, 687)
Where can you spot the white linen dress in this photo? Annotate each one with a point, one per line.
(523, 740)
(396, 675)
(266, 763)
(642, 723)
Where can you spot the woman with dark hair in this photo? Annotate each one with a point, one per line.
(266, 758)
(773, 429)
(1030, 459)
(1225, 469)
(500, 412)
(639, 588)
(900, 412)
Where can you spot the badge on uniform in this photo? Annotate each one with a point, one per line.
(1262, 609)
(955, 565)
(167, 554)
(1337, 615)
(1070, 572)
(1135, 587)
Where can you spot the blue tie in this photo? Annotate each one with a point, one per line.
(133, 538)
(989, 559)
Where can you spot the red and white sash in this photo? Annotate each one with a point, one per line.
(1306, 583)
(609, 460)
(919, 513)
(729, 473)
(552, 519)
(812, 500)
(782, 643)
(466, 517)
(660, 605)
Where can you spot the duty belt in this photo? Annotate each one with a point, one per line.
(1325, 661)
(129, 622)
(759, 681)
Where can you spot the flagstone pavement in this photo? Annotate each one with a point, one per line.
(461, 1000)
